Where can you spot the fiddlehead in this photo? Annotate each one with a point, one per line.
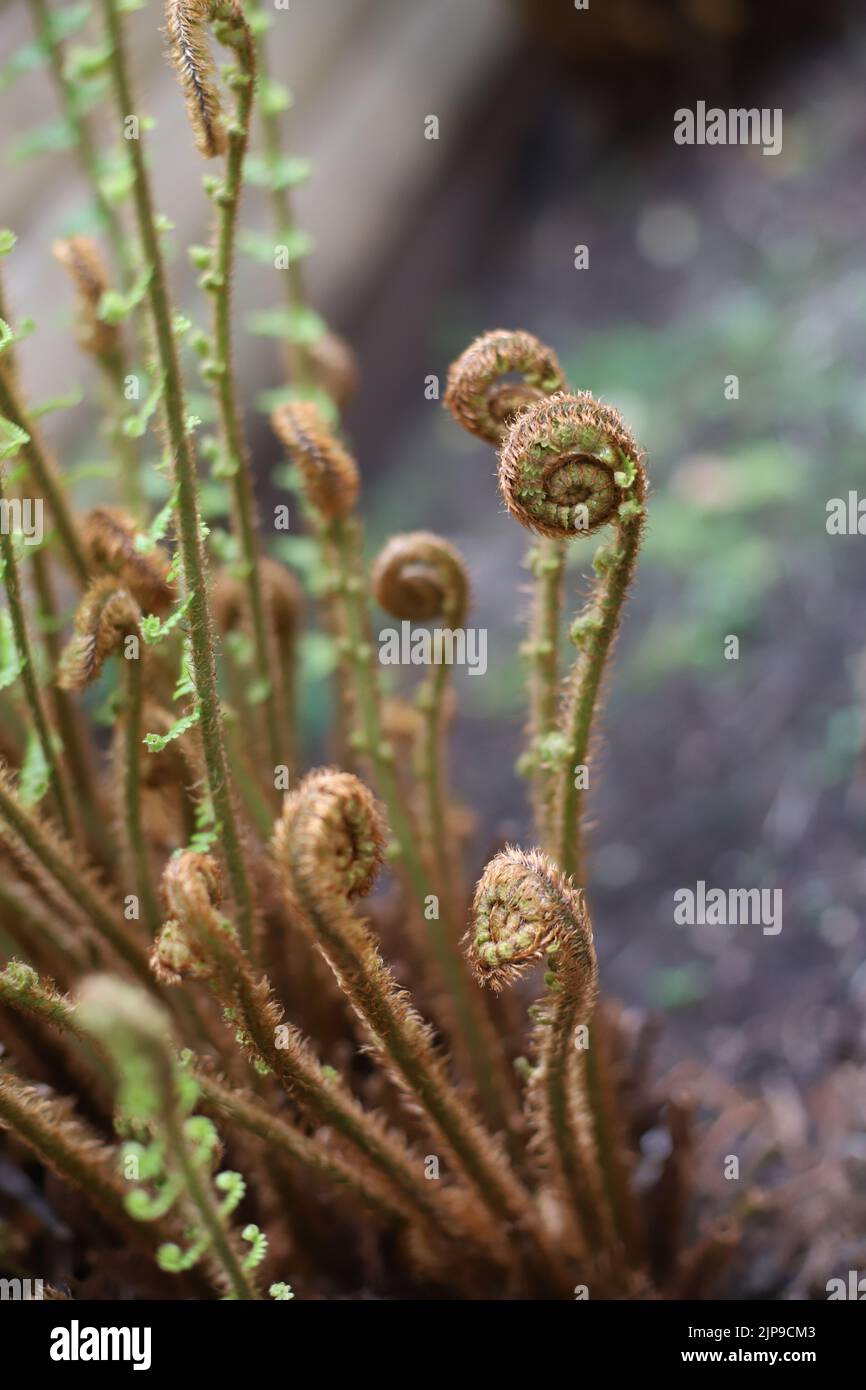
(484, 397)
(106, 617)
(80, 258)
(186, 497)
(525, 910)
(186, 28)
(419, 577)
(328, 847)
(199, 942)
(570, 466)
(188, 22)
(329, 474)
(329, 479)
(482, 394)
(109, 536)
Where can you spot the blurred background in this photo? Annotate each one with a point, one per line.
(556, 131)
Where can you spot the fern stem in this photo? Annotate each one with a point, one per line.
(192, 549)
(132, 745)
(28, 674)
(61, 864)
(218, 281)
(596, 631)
(547, 563)
(473, 1030)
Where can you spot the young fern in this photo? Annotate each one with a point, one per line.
(525, 910)
(498, 375)
(416, 578)
(187, 25)
(186, 493)
(330, 482)
(109, 620)
(328, 844)
(569, 466)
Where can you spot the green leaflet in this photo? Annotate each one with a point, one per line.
(115, 308)
(11, 662)
(155, 743)
(262, 247)
(153, 629)
(135, 426)
(54, 137)
(11, 439)
(300, 326)
(35, 775)
(72, 398)
(286, 172)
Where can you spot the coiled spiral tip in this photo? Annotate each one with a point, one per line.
(525, 908)
(569, 465)
(498, 375)
(80, 257)
(110, 542)
(107, 613)
(419, 576)
(328, 473)
(331, 835)
(186, 27)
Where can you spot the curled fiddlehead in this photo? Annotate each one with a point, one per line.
(80, 257)
(328, 846)
(419, 577)
(187, 22)
(525, 910)
(328, 473)
(484, 397)
(106, 617)
(198, 942)
(482, 394)
(109, 536)
(569, 466)
(329, 480)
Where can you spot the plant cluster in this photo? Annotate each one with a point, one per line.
(193, 969)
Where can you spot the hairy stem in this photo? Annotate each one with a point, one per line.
(547, 563)
(473, 1030)
(62, 865)
(595, 632)
(28, 674)
(192, 548)
(132, 746)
